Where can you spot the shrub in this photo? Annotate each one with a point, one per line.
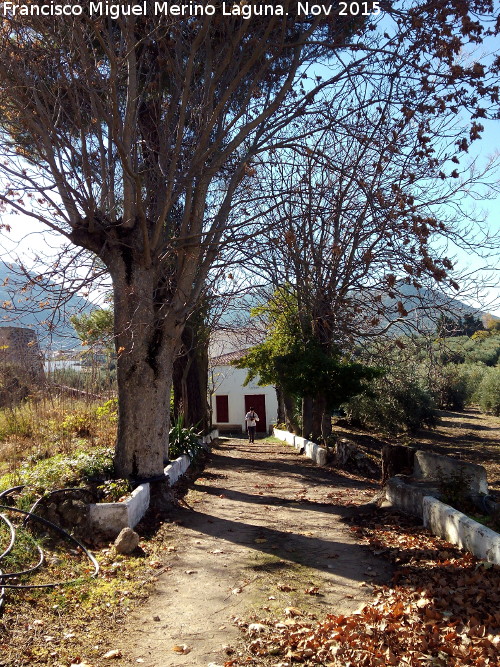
(488, 393)
(449, 387)
(396, 402)
(473, 375)
(183, 441)
(114, 490)
(109, 410)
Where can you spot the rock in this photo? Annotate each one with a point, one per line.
(127, 541)
(344, 450)
(74, 512)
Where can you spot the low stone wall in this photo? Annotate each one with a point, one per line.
(310, 449)
(110, 518)
(459, 529)
(408, 497)
(177, 468)
(430, 472)
(419, 495)
(428, 465)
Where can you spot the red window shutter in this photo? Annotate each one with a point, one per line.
(222, 409)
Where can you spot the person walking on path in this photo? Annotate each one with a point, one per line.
(251, 419)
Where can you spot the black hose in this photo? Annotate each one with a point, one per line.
(67, 536)
(11, 490)
(12, 536)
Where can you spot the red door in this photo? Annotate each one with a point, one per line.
(258, 403)
(221, 409)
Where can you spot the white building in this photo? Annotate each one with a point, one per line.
(230, 400)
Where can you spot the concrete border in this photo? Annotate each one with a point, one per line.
(111, 518)
(429, 465)
(459, 529)
(312, 450)
(408, 497)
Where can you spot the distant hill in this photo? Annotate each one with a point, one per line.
(424, 307)
(36, 308)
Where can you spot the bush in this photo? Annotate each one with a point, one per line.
(449, 387)
(488, 393)
(183, 441)
(396, 402)
(473, 375)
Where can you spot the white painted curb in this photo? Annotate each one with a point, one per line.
(311, 449)
(111, 518)
(459, 529)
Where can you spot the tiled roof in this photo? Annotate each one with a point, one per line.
(226, 359)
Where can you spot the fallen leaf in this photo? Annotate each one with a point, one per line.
(181, 648)
(285, 588)
(257, 627)
(260, 540)
(292, 611)
(190, 571)
(114, 653)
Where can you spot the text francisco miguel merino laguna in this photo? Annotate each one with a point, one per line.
(115, 10)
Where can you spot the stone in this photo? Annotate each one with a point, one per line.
(127, 541)
(74, 512)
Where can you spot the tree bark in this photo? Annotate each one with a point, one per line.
(190, 378)
(147, 341)
(286, 410)
(397, 459)
(318, 411)
(191, 387)
(307, 416)
(290, 413)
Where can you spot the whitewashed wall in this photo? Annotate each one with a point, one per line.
(228, 381)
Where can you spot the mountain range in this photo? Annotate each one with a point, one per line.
(25, 303)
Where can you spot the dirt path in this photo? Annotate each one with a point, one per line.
(259, 533)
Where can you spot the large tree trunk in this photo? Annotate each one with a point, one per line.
(144, 414)
(307, 416)
(147, 341)
(318, 411)
(191, 382)
(290, 413)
